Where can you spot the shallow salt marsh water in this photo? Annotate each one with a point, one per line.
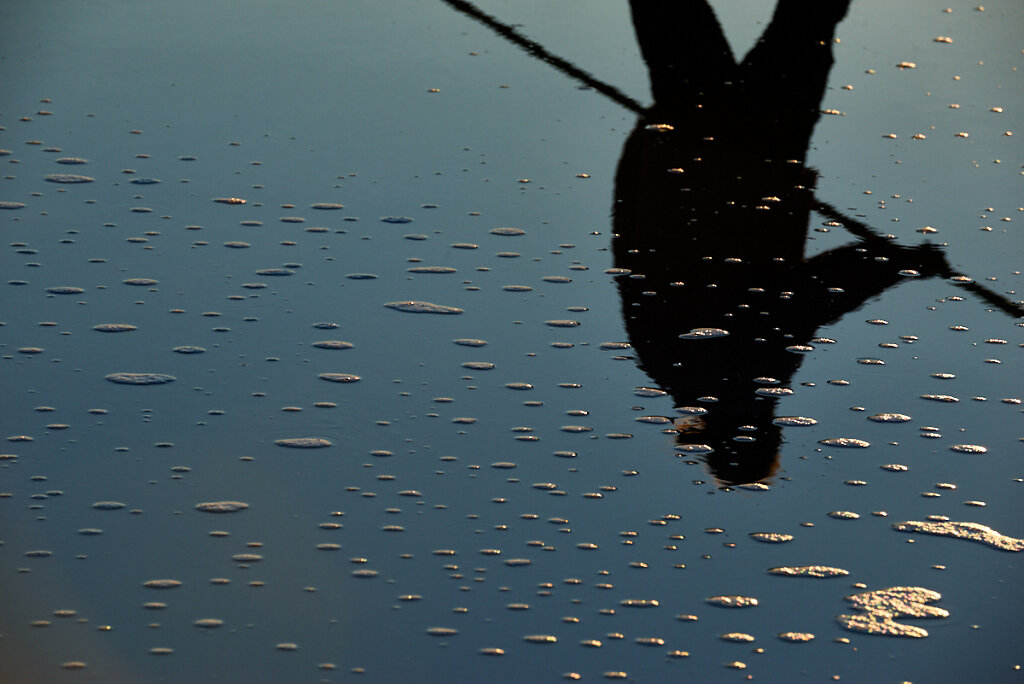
(354, 341)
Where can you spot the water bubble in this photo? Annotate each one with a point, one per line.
(431, 269)
(108, 505)
(820, 571)
(67, 178)
(796, 637)
(140, 378)
(639, 603)
(963, 530)
(881, 607)
(737, 637)
(791, 421)
(221, 506)
(333, 344)
(694, 448)
(339, 377)
(188, 349)
(704, 334)
(773, 391)
(771, 537)
(113, 327)
(732, 601)
(845, 442)
(412, 306)
(890, 418)
(968, 449)
(303, 442)
(442, 631)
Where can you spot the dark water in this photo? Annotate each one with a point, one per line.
(860, 271)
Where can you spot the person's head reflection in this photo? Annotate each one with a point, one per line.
(711, 213)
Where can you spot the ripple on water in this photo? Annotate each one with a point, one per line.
(963, 530)
(65, 290)
(140, 378)
(139, 282)
(303, 442)
(511, 232)
(413, 306)
(221, 506)
(161, 584)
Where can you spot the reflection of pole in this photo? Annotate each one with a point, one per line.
(855, 227)
(868, 234)
(537, 50)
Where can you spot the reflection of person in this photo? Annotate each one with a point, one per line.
(712, 204)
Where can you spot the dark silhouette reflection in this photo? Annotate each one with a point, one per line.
(712, 204)
(711, 214)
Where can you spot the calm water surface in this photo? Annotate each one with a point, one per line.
(722, 224)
